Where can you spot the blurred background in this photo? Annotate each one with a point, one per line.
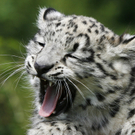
(17, 26)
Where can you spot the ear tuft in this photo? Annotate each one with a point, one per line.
(127, 38)
(47, 14)
(52, 14)
(125, 49)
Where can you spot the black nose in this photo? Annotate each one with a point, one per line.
(41, 69)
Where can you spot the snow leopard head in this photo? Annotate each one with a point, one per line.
(76, 61)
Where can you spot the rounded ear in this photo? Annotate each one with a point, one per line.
(47, 14)
(123, 53)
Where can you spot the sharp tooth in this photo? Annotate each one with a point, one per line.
(50, 83)
(54, 112)
(43, 79)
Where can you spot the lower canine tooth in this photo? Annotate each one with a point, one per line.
(54, 112)
(43, 79)
(50, 83)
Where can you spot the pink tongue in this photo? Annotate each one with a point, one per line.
(49, 103)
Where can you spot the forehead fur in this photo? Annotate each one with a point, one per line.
(112, 45)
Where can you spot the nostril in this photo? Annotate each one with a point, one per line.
(41, 69)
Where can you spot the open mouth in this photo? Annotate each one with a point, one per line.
(55, 97)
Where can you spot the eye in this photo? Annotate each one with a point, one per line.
(41, 44)
(68, 55)
(71, 56)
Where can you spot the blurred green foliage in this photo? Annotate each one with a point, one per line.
(18, 25)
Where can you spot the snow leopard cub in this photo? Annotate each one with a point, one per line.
(83, 75)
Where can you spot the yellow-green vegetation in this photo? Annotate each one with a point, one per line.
(18, 25)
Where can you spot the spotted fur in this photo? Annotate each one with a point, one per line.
(99, 64)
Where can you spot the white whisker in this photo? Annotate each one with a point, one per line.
(77, 88)
(16, 71)
(22, 54)
(7, 71)
(4, 70)
(58, 87)
(10, 63)
(68, 91)
(83, 85)
(18, 79)
(12, 56)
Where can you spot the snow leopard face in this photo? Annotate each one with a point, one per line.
(75, 62)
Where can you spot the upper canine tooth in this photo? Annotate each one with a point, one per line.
(43, 79)
(50, 83)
